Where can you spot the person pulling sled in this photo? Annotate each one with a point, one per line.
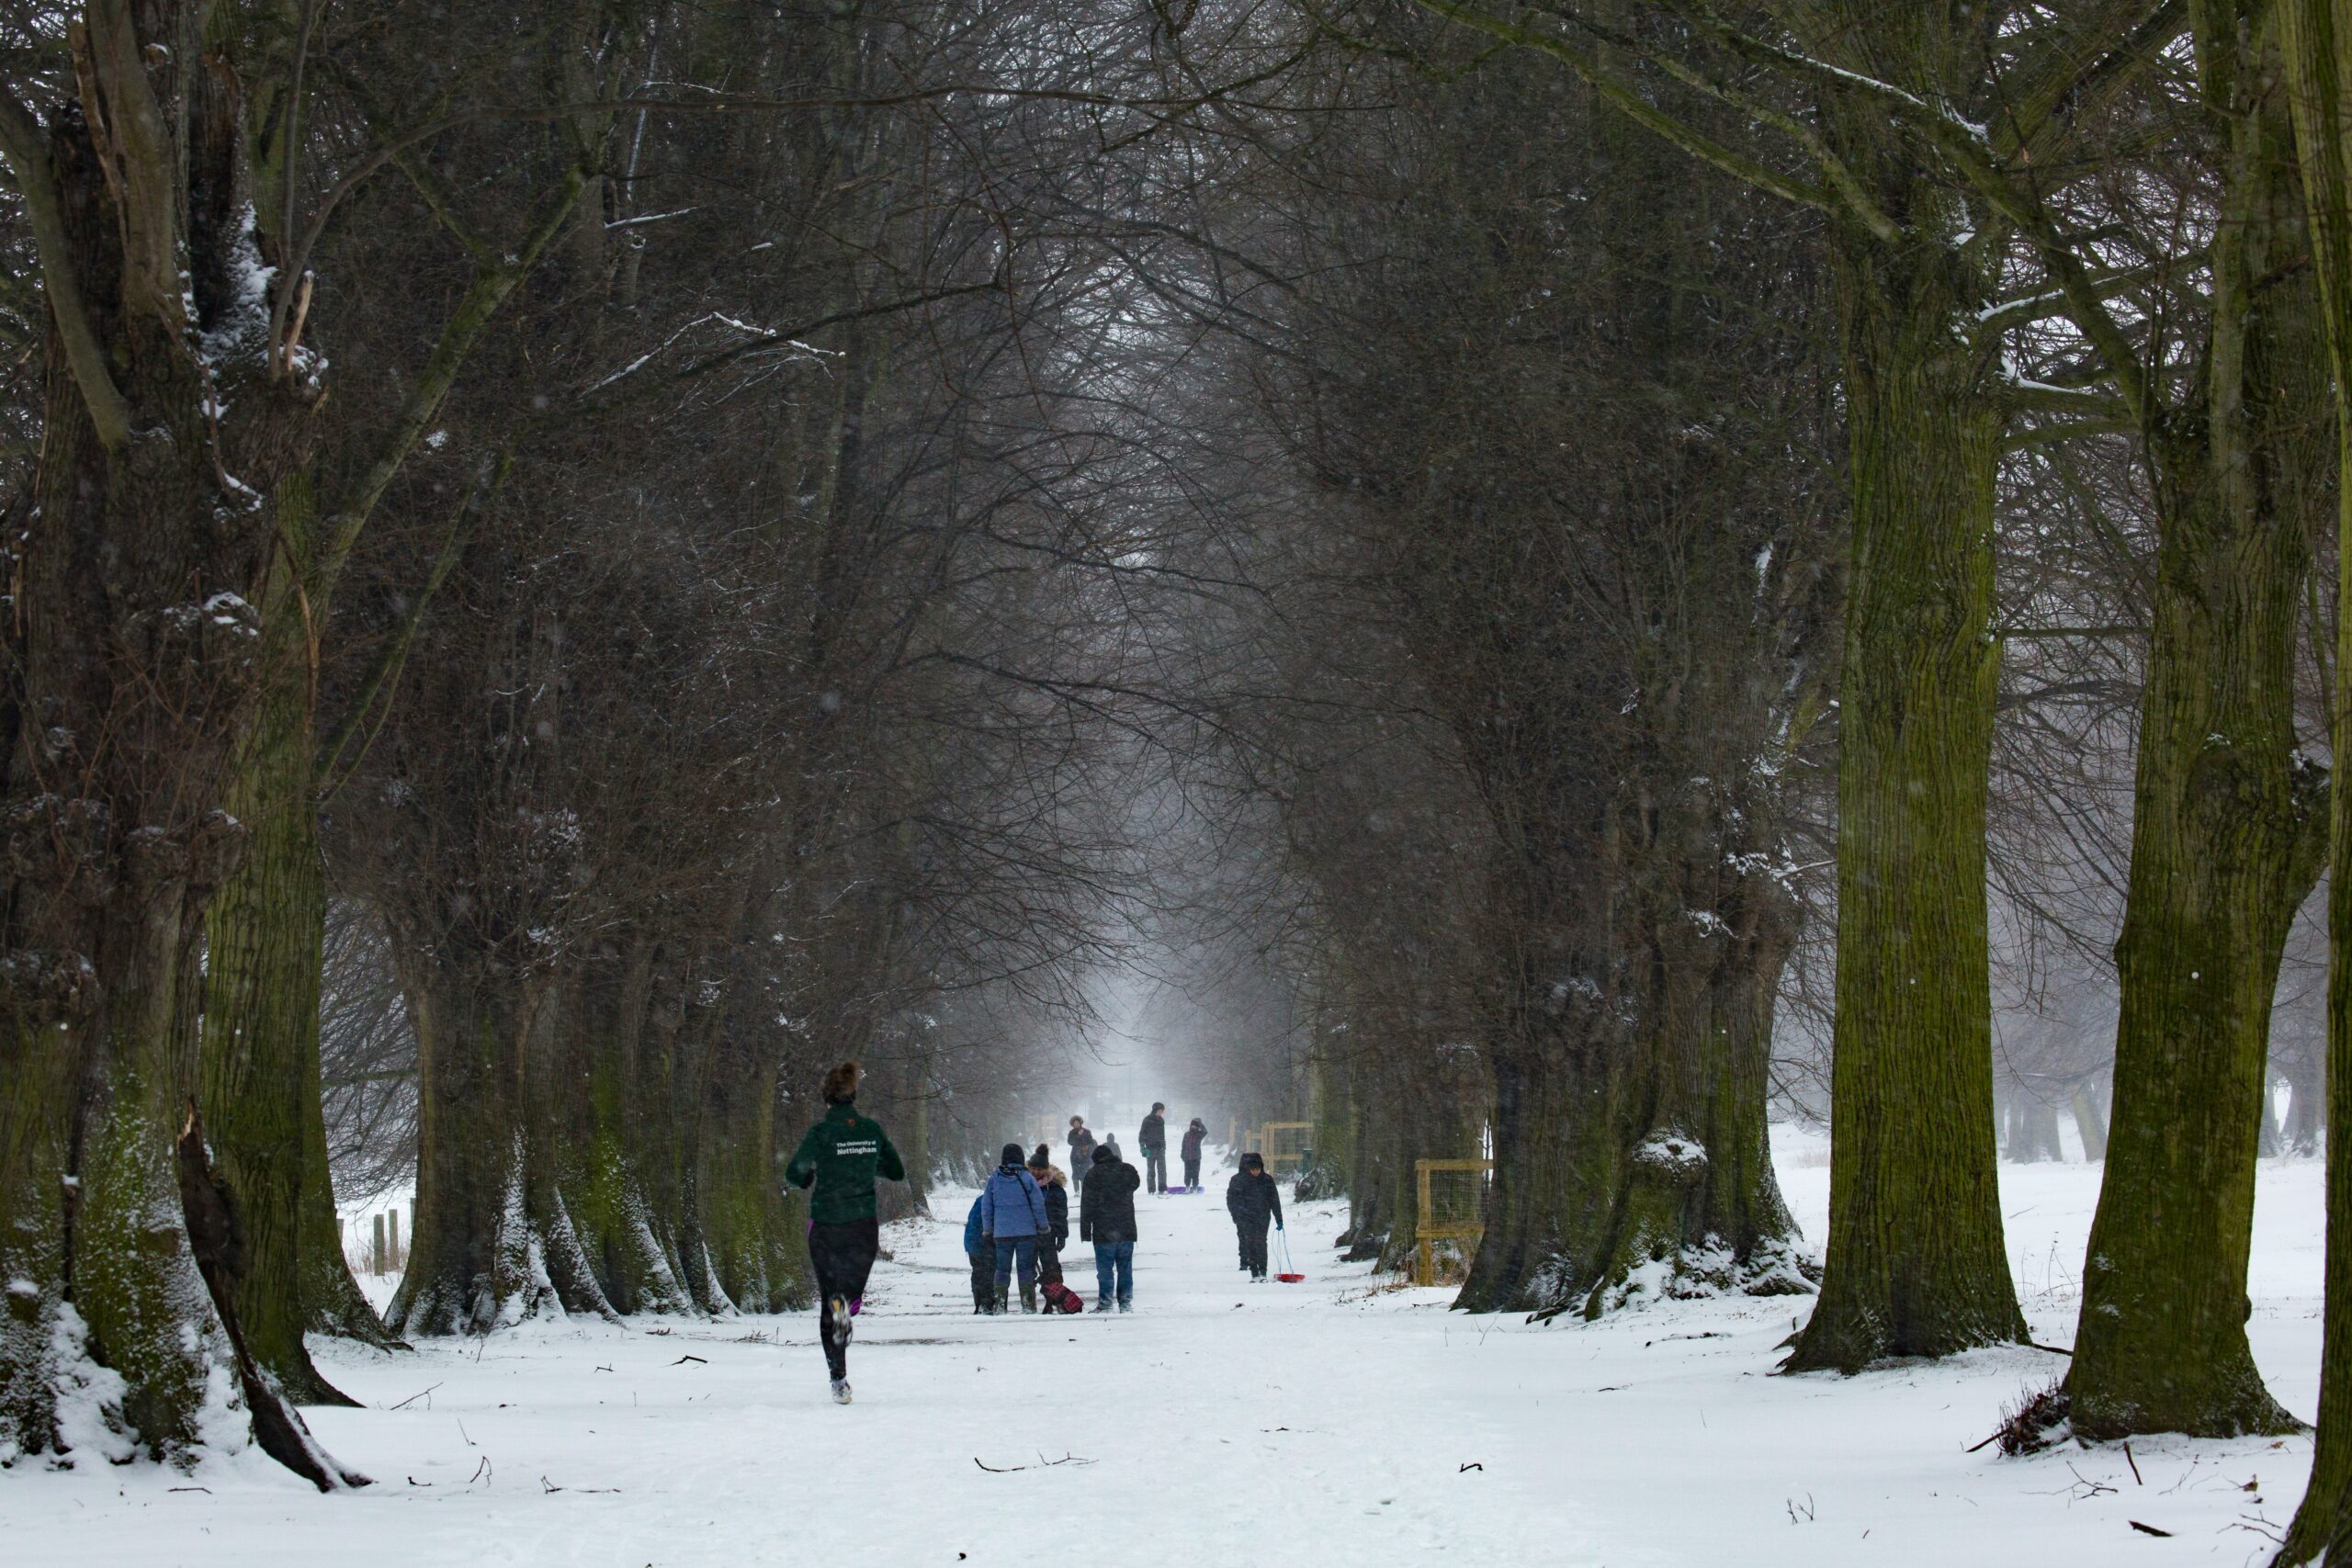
(1253, 1199)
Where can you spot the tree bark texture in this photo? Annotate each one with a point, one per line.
(129, 684)
(2220, 806)
(260, 1058)
(2317, 49)
(1915, 1262)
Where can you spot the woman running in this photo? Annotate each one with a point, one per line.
(839, 1159)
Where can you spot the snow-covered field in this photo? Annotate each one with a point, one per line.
(1329, 1422)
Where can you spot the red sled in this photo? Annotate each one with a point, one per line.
(1061, 1298)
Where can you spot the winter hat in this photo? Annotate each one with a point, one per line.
(1010, 1157)
(1104, 1154)
(1041, 1159)
(1252, 1162)
(841, 1084)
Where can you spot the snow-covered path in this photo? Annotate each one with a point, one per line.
(1321, 1423)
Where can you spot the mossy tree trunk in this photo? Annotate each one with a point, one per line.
(1915, 1263)
(130, 661)
(492, 1243)
(747, 1218)
(261, 1041)
(623, 1124)
(1632, 1157)
(2220, 806)
(2317, 49)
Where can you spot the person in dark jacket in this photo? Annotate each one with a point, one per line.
(1152, 1139)
(1253, 1199)
(1013, 1209)
(836, 1164)
(1106, 1216)
(1056, 1188)
(1082, 1150)
(1194, 1136)
(981, 1247)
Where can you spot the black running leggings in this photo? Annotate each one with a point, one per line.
(841, 1256)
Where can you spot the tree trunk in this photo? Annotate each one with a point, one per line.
(2089, 1120)
(2306, 1108)
(130, 659)
(260, 1061)
(2317, 37)
(2219, 809)
(626, 1127)
(1631, 1157)
(1915, 1264)
(747, 1219)
(492, 1243)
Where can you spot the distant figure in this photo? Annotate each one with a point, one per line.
(1253, 1199)
(1106, 1216)
(1152, 1139)
(1013, 1209)
(1081, 1149)
(1194, 1135)
(981, 1248)
(837, 1161)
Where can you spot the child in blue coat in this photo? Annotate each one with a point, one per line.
(981, 1247)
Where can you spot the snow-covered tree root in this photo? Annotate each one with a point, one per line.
(476, 1266)
(613, 1184)
(1632, 1153)
(161, 1369)
(1594, 1220)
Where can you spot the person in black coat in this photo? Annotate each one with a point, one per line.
(1152, 1139)
(1106, 1216)
(1253, 1199)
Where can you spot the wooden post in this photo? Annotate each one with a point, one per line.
(394, 1255)
(1426, 1248)
(378, 1258)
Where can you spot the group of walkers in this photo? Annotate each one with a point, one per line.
(1152, 1139)
(1018, 1224)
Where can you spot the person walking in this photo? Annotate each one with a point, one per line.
(1152, 1139)
(1081, 1149)
(1194, 1136)
(1253, 1199)
(981, 1248)
(836, 1164)
(1106, 1216)
(1055, 1187)
(1013, 1209)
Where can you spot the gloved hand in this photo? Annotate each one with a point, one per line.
(1277, 1224)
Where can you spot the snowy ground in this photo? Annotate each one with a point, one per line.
(1322, 1423)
